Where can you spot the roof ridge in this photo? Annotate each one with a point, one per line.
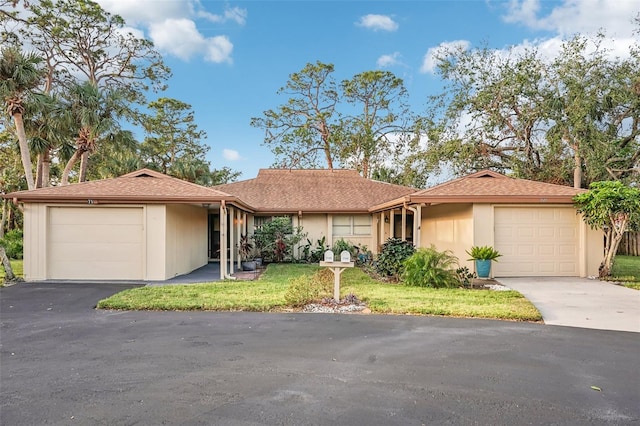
(145, 171)
(160, 175)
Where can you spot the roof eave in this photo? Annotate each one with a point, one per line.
(498, 199)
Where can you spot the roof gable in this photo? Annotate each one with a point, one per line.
(143, 185)
(490, 186)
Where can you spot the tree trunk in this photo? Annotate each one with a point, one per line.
(69, 167)
(24, 151)
(8, 271)
(577, 171)
(46, 168)
(613, 236)
(84, 163)
(39, 172)
(3, 219)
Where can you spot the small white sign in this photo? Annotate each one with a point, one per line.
(345, 256)
(328, 256)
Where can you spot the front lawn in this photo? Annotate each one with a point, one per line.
(16, 265)
(627, 270)
(267, 294)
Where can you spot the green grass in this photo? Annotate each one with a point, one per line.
(17, 267)
(267, 294)
(627, 270)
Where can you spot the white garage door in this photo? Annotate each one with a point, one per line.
(536, 241)
(95, 243)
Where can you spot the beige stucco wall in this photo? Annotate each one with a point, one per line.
(35, 248)
(448, 227)
(457, 227)
(592, 249)
(186, 239)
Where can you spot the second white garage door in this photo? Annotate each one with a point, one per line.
(536, 241)
(95, 243)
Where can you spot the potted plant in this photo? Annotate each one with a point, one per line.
(245, 248)
(483, 255)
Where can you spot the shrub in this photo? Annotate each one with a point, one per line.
(342, 245)
(306, 289)
(275, 239)
(392, 256)
(13, 244)
(430, 268)
(314, 254)
(465, 276)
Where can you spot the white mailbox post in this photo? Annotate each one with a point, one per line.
(337, 268)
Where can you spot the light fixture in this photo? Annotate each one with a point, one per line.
(206, 205)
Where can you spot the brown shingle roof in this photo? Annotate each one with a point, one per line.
(487, 186)
(286, 191)
(140, 186)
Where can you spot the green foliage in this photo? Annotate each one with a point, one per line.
(607, 202)
(390, 261)
(314, 254)
(275, 239)
(343, 245)
(483, 253)
(614, 208)
(428, 267)
(465, 276)
(571, 119)
(13, 244)
(306, 289)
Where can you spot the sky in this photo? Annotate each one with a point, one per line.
(229, 58)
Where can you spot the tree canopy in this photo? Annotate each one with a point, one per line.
(614, 208)
(88, 76)
(573, 119)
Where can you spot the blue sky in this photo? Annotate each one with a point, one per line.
(229, 58)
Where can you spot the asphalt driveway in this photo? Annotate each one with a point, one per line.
(64, 363)
(581, 302)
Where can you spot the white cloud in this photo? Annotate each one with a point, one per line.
(171, 25)
(577, 16)
(181, 38)
(235, 14)
(377, 23)
(389, 60)
(146, 11)
(429, 62)
(231, 155)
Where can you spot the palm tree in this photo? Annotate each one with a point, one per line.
(92, 111)
(19, 74)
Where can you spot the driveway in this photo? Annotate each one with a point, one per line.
(581, 302)
(64, 363)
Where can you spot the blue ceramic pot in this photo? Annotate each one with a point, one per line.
(483, 268)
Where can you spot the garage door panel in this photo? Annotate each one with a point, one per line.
(95, 243)
(97, 233)
(536, 241)
(546, 250)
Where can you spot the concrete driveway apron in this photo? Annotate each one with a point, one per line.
(581, 302)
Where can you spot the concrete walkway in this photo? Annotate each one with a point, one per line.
(581, 302)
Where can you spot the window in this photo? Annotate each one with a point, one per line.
(351, 225)
(258, 221)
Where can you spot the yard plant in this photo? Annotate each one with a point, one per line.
(390, 262)
(429, 267)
